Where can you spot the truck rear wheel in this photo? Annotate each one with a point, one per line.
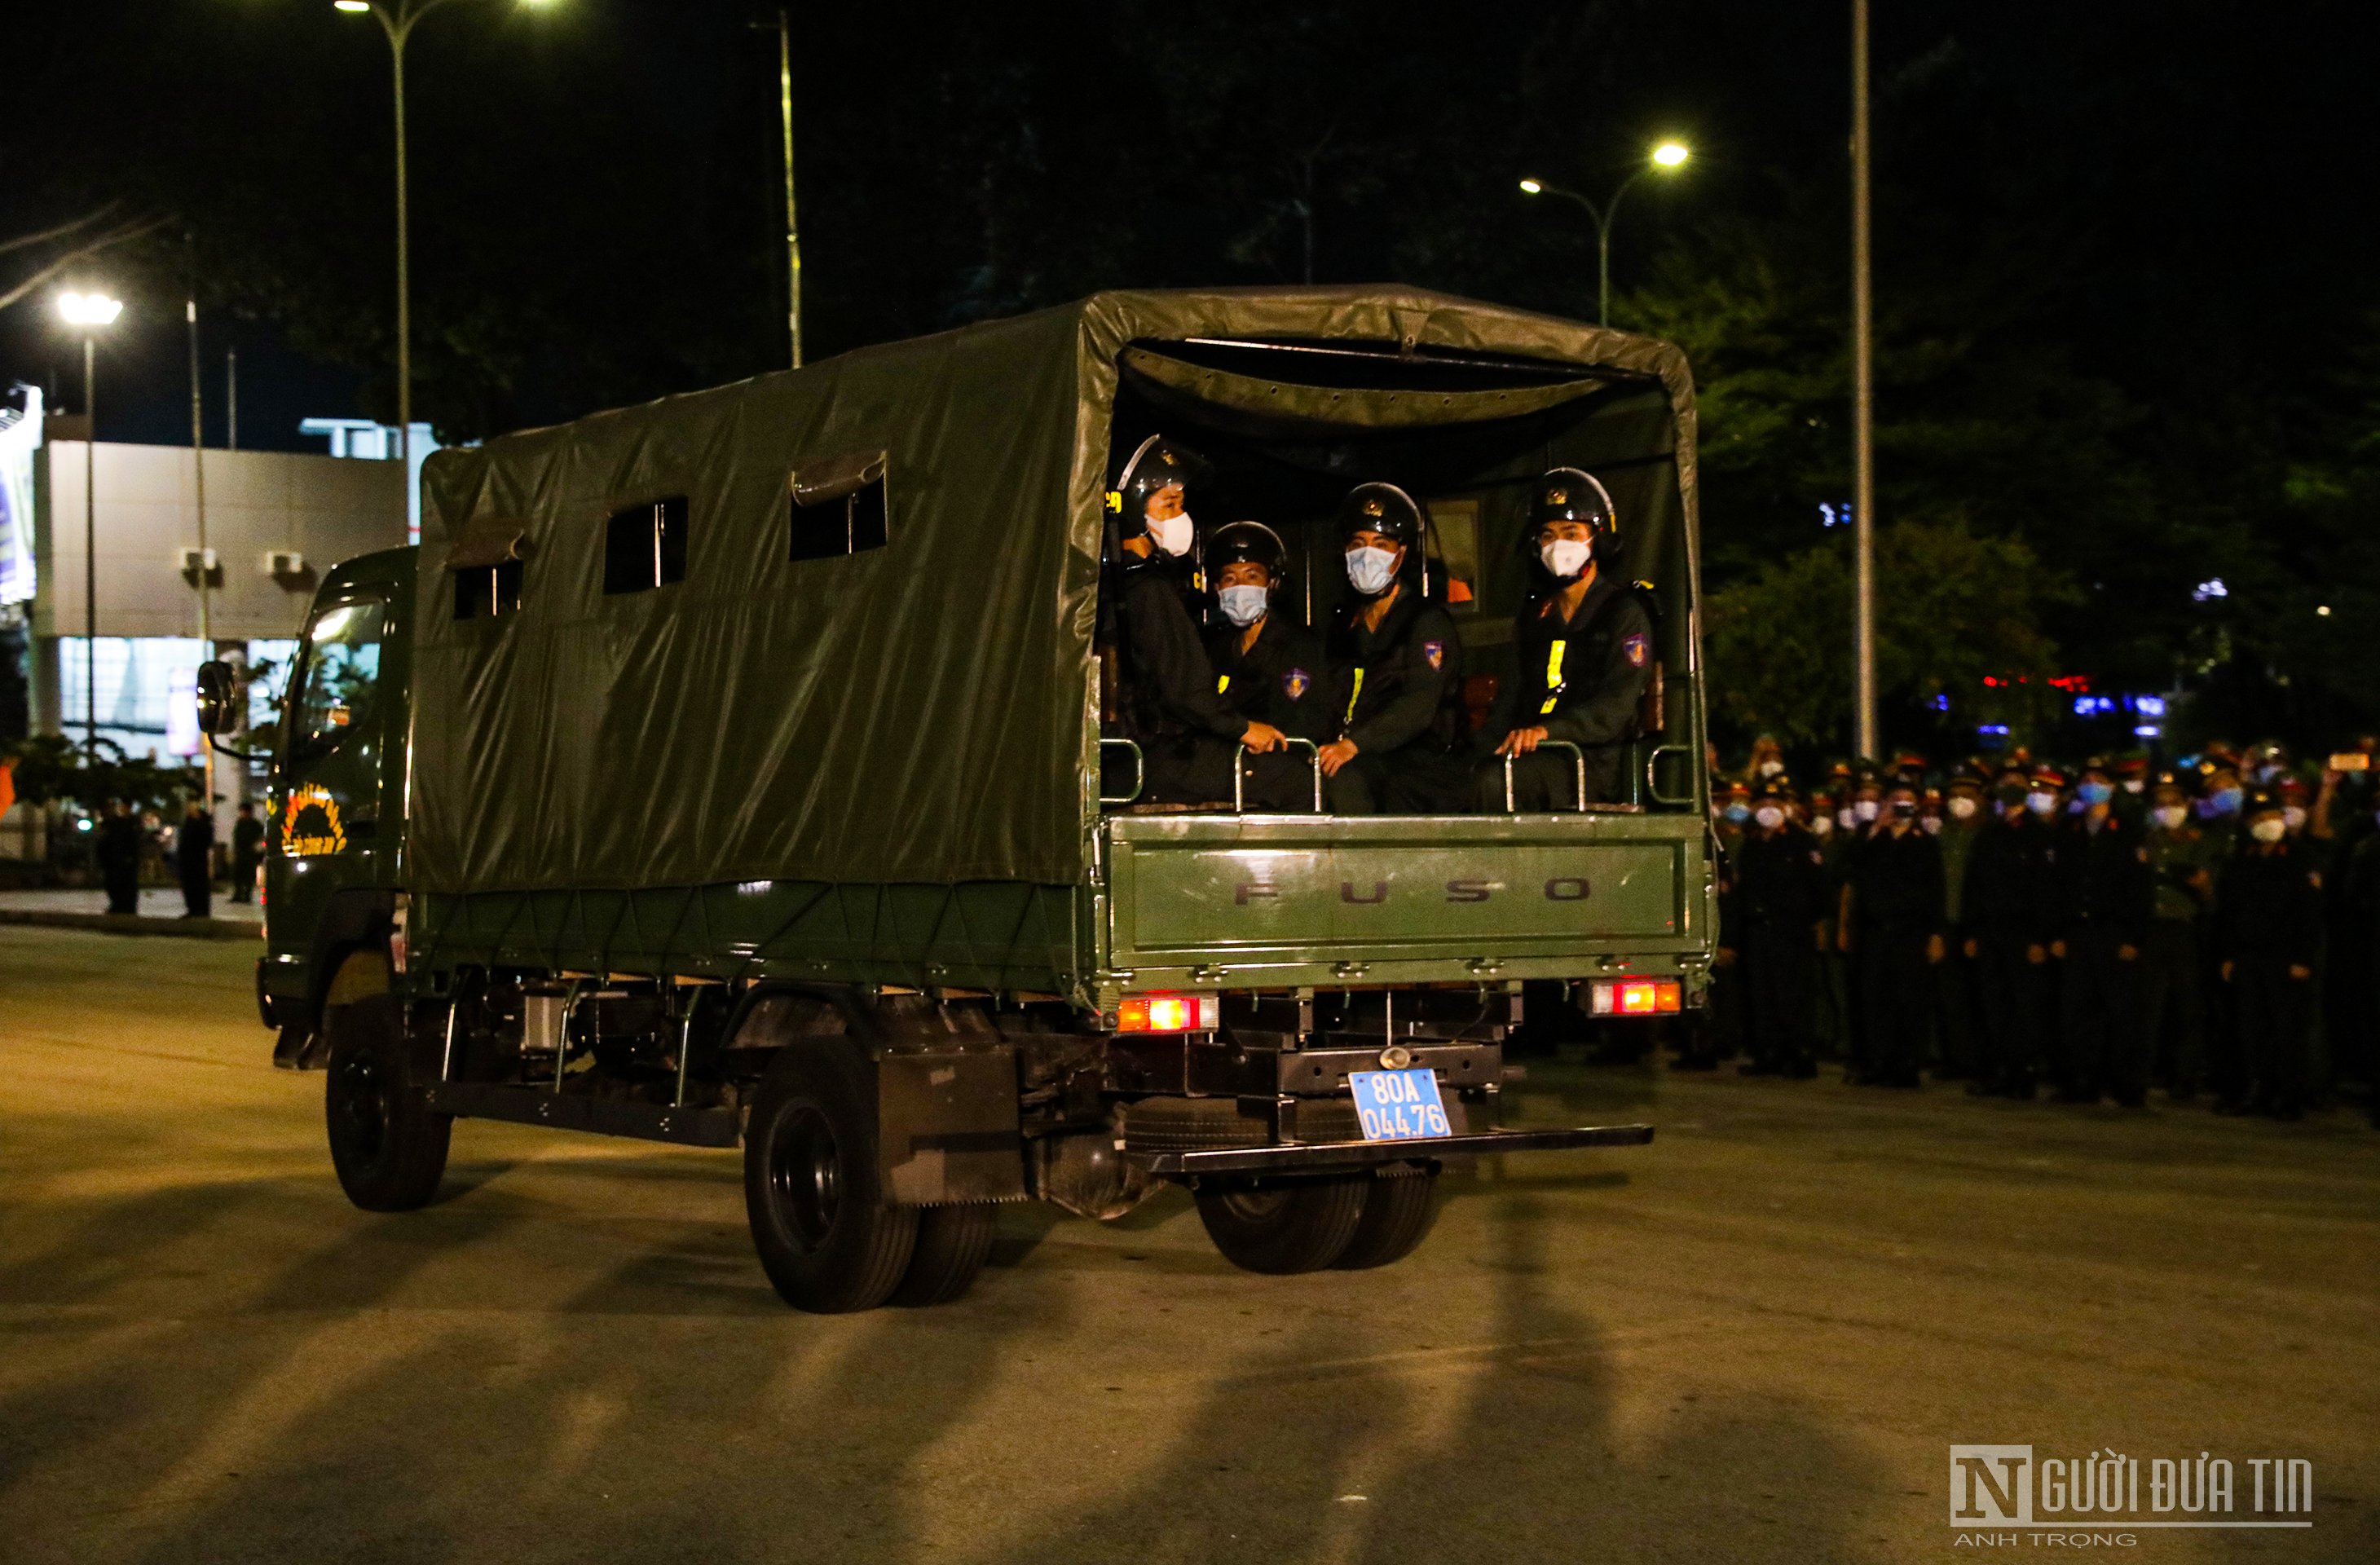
(953, 1242)
(1283, 1225)
(387, 1143)
(827, 1236)
(1397, 1212)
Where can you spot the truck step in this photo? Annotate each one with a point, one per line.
(604, 1116)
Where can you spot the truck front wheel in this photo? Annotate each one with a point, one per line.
(387, 1143)
(1283, 1225)
(828, 1237)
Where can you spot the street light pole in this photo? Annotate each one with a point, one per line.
(1668, 156)
(90, 311)
(1863, 406)
(90, 546)
(397, 19)
(793, 223)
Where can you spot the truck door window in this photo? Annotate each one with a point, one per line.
(488, 591)
(341, 677)
(838, 507)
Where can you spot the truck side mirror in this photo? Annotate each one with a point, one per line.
(218, 692)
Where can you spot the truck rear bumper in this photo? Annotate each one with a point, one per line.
(1319, 1156)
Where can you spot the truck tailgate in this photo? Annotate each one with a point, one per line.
(1298, 899)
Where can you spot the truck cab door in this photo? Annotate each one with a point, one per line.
(325, 834)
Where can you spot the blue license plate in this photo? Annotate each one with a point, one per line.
(1399, 1105)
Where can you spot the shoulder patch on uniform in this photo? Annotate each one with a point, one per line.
(1638, 647)
(1295, 684)
(1435, 652)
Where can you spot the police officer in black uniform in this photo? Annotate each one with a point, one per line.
(2268, 929)
(1782, 890)
(1268, 667)
(1167, 701)
(1583, 644)
(1893, 904)
(1396, 670)
(2010, 915)
(2105, 894)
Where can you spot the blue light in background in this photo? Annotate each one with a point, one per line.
(2209, 590)
(2000, 728)
(2146, 731)
(2149, 706)
(1941, 703)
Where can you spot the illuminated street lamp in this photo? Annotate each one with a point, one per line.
(1666, 158)
(396, 20)
(89, 313)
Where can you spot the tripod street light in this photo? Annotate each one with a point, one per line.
(1666, 158)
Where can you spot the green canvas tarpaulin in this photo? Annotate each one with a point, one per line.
(916, 712)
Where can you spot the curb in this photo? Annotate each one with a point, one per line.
(134, 923)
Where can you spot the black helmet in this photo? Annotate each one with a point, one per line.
(1151, 467)
(1385, 509)
(1571, 494)
(1252, 541)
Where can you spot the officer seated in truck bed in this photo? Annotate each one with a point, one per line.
(1396, 670)
(1268, 667)
(1167, 702)
(1583, 646)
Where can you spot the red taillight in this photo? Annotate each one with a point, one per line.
(1635, 997)
(1167, 1014)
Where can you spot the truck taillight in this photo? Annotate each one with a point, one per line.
(1169, 1013)
(1634, 997)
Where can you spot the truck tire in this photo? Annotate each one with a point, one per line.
(827, 1236)
(387, 1144)
(953, 1242)
(1397, 1212)
(1283, 1225)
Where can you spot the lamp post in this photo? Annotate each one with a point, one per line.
(90, 312)
(1865, 733)
(396, 18)
(1666, 158)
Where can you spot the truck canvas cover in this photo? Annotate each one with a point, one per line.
(919, 712)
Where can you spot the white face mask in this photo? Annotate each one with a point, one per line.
(1175, 534)
(1370, 570)
(2269, 830)
(1771, 768)
(2170, 817)
(2041, 804)
(1933, 824)
(1846, 818)
(1864, 809)
(1962, 807)
(2135, 785)
(1244, 605)
(1770, 816)
(2293, 817)
(1565, 556)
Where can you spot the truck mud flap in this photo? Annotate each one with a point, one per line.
(604, 1116)
(1318, 1156)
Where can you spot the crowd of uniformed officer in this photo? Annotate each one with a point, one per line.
(1369, 707)
(2093, 934)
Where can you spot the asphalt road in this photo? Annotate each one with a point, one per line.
(1753, 1339)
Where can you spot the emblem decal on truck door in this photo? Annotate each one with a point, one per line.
(330, 837)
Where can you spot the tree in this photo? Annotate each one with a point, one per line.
(1952, 607)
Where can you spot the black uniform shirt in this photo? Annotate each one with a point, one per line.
(2104, 879)
(2269, 905)
(2011, 889)
(1781, 878)
(1897, 879)
(1279, 680)
(1168, 686)
(1388, 686)
(1579, 679)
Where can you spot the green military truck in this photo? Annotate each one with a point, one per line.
(728, 771)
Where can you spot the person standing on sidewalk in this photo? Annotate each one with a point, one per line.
(118, 850)
(247, 852)
(194, 860)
